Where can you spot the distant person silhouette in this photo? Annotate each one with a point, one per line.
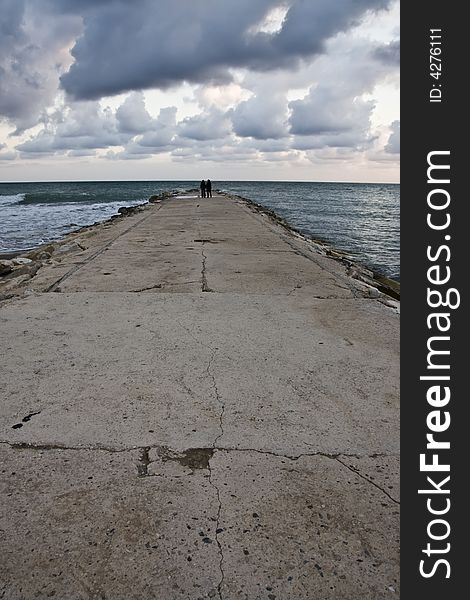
(209, 188)
(203, 189)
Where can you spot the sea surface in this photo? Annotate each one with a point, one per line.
(362, 220)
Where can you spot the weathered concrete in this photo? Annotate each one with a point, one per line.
(197, 403)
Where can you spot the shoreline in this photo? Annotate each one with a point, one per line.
(383, 284)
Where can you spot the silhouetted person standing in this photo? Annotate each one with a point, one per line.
(203, 189)
(209, 188)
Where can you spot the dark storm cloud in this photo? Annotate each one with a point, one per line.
(11, 17)
(119, 45)
(137, 45)
(131, 45)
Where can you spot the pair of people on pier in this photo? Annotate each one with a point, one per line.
(206, 189)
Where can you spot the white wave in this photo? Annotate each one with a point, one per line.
(10, 200)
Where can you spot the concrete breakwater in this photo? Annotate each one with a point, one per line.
(198, 402)
(16, 268)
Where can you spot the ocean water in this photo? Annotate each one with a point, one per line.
(360, 219)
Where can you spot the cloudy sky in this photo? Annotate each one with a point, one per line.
(185, 89)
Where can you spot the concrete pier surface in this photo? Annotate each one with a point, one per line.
(198, 403)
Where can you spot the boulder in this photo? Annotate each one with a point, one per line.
(43, 256)
(157, 198)
(14, 283)
(125, 210)
(6, 266)
(30, 269)
(64, 248)
(21, 260)
(39, 254)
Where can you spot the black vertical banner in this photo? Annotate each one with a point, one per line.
(435, 233)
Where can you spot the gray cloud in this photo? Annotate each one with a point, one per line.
(81, 153)
(393, 144)
(32, 57)
(334, 113)
(130, 46)
(262, 117)
(11, 30)
(83, 126)
(389, 53)
(132, 115)
(161, 132)
(10, 155)
(126, 155)
(209, 125)
(217, 154)
(325, 112)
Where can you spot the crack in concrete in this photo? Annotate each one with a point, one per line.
(163, 285)
(152, 287)
(357, 472)
(200, 239)
(217, 533)
(331, 456)
(104, 448)
(113, 449)
(204, 286)
(189, 332)
(144, 460)
(218, 397)
(214, 447)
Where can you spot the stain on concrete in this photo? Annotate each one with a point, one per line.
(194, 458)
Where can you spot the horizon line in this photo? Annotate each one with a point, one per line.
(196, 180)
